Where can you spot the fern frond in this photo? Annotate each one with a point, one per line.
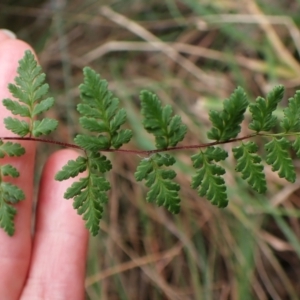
(208, 179)
(29, 88)
(102, 121)
(249, 164)
(100, 113)
(226, 124)
(278, 157)
(167, 129)
(163, 190)
(262, 110)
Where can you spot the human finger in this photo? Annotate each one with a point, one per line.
(15, 251)
(60, 241)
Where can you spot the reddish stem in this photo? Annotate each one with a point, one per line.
(146, 152)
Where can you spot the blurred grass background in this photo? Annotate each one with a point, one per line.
(192, 53)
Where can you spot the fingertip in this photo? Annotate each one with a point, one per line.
(6, 34)
(11, 51)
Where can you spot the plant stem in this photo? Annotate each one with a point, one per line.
(132, 151)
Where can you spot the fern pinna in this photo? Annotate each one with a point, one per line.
(101, 120)
(29, 89)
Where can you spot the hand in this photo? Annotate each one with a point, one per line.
(50, 264)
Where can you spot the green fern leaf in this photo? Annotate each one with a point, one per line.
(93, 124)
(12, 193)
(89, 199)
(119, 118)
(18, 127)
(9, 194)
(9, 170)
(100, 113)
(168, 130)
(291, 120)
(90, 205)
(88, 111)
(208, 178)
(72, 168)
(88, 192)
(262, 109)
(99, 163)
(226, 124)
(92, 143)
(123, 136)
(16, 108)
(76, 188)
(143, 169)
(43, 106)
(249, 164)
(11, 149)
(7, 214)
(163, 190)
(44, 127)
(29, 88)
(278, 157)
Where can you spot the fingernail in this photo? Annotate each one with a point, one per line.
(9, 33)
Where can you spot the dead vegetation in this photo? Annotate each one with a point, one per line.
(192, 54)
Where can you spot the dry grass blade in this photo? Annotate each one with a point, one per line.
(278, 45)
(163, 47)
(260, 19)
(116, 46)
(135, 263)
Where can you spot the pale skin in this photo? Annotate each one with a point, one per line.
(49, 263)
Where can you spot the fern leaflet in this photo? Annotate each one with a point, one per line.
(249, 164)
(262, 109)
(99, 113)
(99, 110)
(162, 189)
(208, 178)
(278, 157)
(9, 194)
(89, 192)
(10, 149)
(226, 124)
(158, 120)
(29, 88)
